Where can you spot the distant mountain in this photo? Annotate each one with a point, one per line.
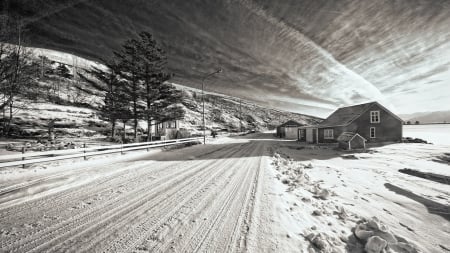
(428, 117)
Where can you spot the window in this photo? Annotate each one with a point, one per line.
(375, 117)
(328, 134)
(171, 124)
(372, 132)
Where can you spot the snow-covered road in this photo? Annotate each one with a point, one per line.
(242, 194)
(195, 199)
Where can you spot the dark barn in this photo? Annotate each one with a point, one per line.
(288, 129)
(372, 121)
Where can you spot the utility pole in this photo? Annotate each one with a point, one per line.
(42, 65)
(203, 102)
(240, 115)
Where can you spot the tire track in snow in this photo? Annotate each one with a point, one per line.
(155, 226)
(53, 233)
(61, 230)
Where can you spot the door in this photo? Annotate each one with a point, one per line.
(309, 135)
(301, 135)
(314, 137)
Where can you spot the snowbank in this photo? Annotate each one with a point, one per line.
(364, 203)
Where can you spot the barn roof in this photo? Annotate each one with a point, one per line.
(290, 123)
(346, 115)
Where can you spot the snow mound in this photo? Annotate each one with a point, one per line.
(324, 243)
(291, 173)
(377, 238)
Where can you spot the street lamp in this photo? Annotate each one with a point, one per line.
(203, 101)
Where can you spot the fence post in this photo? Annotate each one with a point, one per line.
(84, 150)
(121, 149)
(23, 158)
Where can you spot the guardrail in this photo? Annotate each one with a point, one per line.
(55, 155)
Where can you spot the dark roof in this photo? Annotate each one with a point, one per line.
(290, 123)
(346, 115)
(348, 136)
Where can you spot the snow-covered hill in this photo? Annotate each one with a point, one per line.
(76, 110)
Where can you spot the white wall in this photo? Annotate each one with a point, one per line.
(291, 133)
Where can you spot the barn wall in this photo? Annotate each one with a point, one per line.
(291, 133)
(389, 129)
(309, 135)
(336, 132)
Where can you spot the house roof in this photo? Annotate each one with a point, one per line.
(290, 123)
(346, 115)
(348, 136)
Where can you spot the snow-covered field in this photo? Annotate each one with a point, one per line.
(434, 133)
(250, 193)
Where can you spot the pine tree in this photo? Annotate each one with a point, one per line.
(130, 70)
(116, 105)
(142, 64)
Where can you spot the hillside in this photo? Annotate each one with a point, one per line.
(75, 108)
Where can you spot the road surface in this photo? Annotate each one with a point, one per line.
(197, 199)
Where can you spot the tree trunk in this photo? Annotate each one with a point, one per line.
(135, 98)
(135, 125)
(149, 122)
(124, 132)
(4, 122)
(10, 119)
(51, 134)
(149, 129)
(113, 128)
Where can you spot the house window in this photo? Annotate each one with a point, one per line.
(372, 132)
(171, 124)
(328, 134)
(375, 117)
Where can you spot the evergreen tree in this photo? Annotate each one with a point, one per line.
(167, 107)
(116, 105)
(142, 63)
(130, 69)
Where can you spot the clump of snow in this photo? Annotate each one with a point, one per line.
(377, 238)
(290, 173)
(375, 244)
(323, 242)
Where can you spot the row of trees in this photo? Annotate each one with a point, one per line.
(134, 81)
(17, 71)
(135, 86)
(20, 73)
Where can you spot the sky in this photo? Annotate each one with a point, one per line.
(306, 56)
(395, 52)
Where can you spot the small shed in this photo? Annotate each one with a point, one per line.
(349, 141)
(288, 130)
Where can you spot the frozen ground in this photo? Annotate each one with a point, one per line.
(438, 134)
(249, 193)
(330, 196)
